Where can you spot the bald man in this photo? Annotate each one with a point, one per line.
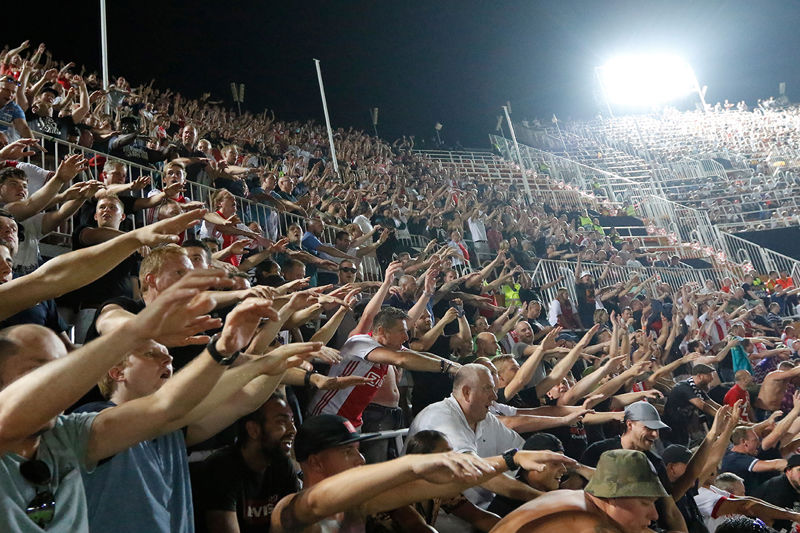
(465, 419)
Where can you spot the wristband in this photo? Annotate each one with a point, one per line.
(218, 357)
(307, 378)
(508, 457)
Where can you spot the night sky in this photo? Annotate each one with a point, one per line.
(455, 62)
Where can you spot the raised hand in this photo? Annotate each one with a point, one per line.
(241, 323)
(20, 148)
(288, 356)
(536, 461)
(178, 314)
(394, 268)
(140, 183)
(449, 467)
(549, 341)
(70, 167)
(294, 285)
(167, 230)
(238, 247)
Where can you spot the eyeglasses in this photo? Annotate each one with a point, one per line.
(42, 508)
(351, 270)
(9, 79)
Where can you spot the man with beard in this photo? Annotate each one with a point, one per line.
(238, 486)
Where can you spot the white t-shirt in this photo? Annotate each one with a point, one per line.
(27, 258)
(708, 501)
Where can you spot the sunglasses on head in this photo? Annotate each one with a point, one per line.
(42, 508)
(9, 79)
(348, 269)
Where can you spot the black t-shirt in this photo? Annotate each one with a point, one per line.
(225, 483)
(192, 169)
(432, 387)
(573, 437)
(524, 399)
(44, 314)
(236, 187)
(58, 127)
(116, 282)
(778, 491)
(135, 151)
(741, 464)
(585, 293)
(691, 513)
(680, 415)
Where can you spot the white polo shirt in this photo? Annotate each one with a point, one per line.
(490, 438)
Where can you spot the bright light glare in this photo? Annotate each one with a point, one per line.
(641, 80)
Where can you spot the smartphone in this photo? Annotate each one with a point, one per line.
(459, 309)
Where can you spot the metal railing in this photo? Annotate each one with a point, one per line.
(547, 271)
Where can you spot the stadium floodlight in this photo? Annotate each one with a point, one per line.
(646, 80)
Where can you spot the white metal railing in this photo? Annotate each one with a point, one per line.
(547, 271)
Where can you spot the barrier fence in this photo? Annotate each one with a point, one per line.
(548, 270)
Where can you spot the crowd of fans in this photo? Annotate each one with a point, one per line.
(229, 369)
(755, 154)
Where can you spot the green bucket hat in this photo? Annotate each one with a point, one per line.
(625, 474)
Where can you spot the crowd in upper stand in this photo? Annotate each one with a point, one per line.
(195, 364)
(757, 152)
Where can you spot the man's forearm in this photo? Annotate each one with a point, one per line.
(65, 273)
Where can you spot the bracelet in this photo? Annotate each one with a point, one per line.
(218, 357)
(307, 378)
(444, 365)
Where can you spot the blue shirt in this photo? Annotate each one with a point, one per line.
(310, 243)
(9, 113)
(144, 488)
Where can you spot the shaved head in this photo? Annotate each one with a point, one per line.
(469, 375)
(26, 347)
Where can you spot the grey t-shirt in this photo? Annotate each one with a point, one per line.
(518, 350)
(63, 449)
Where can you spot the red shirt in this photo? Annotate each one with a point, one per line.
(737, 393)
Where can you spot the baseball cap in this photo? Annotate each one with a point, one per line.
(645, 413)
(676, 453)
(586, 273)
(322, 432)
(793, 461)
(567, 337)
(701, 368)
(625, 474)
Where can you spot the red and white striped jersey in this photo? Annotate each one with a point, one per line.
(350, 402)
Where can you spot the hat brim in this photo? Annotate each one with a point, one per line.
(361, 437)
(654, 424)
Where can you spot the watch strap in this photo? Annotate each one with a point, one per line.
(508, 457)
(218, 357)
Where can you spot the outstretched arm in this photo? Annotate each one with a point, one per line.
(73, 270)
(30, 402)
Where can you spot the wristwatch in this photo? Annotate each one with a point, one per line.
(508, 457)
(218, 357)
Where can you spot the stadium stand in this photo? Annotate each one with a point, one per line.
(539, 305)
